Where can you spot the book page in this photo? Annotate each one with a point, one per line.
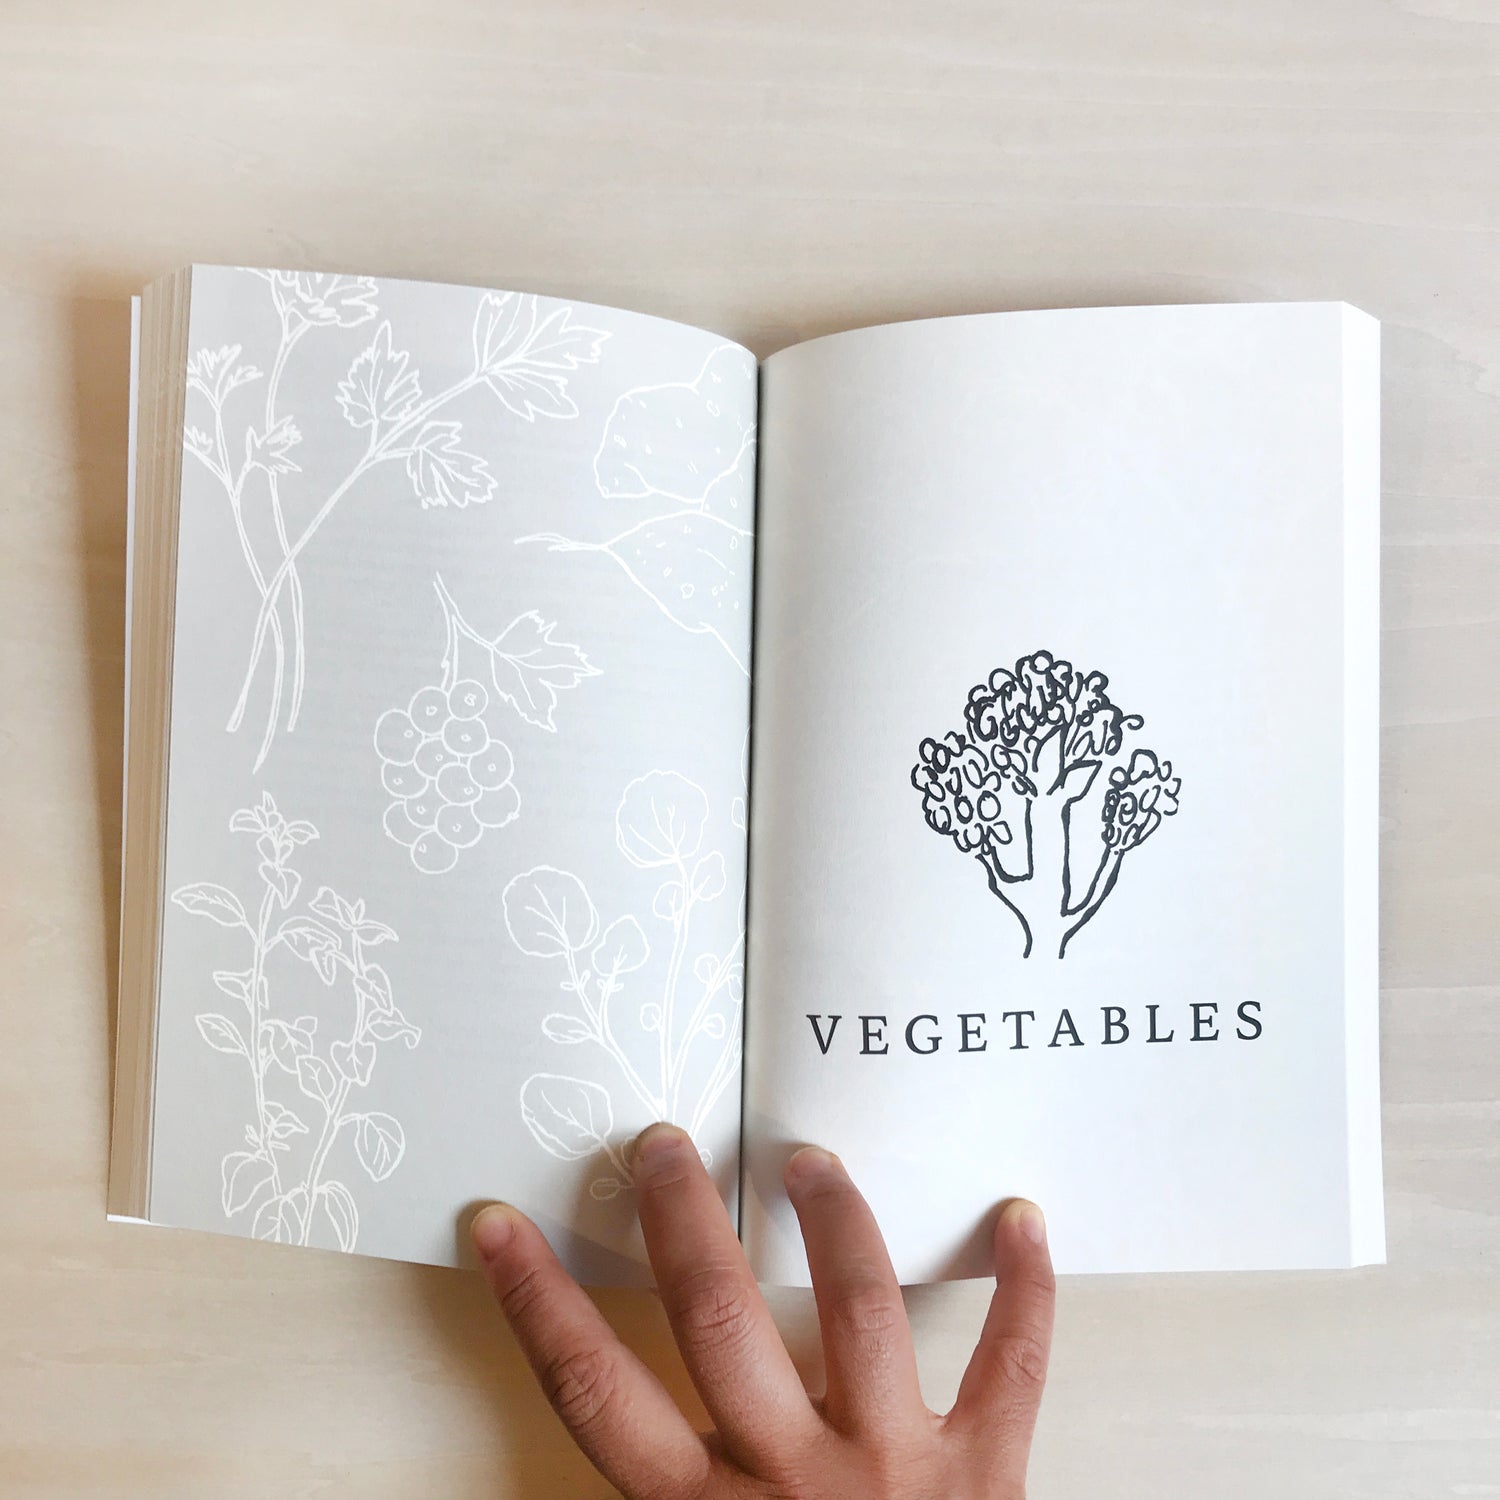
(1064, 764)
(455, 849)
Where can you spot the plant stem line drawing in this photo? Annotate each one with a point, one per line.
(449, 777)
(1005, 789)
(646, 448)
(285, 1182)
(689, 444)
(302, 301)
(694, 567)
(522, 353)
(660, 826)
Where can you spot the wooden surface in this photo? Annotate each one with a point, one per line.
(773, 169)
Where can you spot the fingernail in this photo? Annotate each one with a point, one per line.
(808, 1163)
(659, 1141)
(492, 1229)
(1027, 1217)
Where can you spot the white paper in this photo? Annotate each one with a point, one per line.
(1181, 499)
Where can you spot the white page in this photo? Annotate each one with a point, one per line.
(1182, 499)
(552, 502)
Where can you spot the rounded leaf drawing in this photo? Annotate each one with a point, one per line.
(548, 913)
(567, 1030)
(569, 1117)
(660, 819)
(622, 949)
(342, 1212)
(380, 1143)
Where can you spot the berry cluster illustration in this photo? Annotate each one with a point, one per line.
(449, 777)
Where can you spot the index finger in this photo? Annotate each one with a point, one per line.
(617, 1411)
(723, 1327)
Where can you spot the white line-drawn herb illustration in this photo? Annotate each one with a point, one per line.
(685, 444)
(660, 826)
(522, 353)
(645, 449)
(323, 1041)
(448, 775)
(1006, 787)
(303, 301)
(694, 567)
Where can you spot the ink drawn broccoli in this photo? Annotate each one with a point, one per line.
(1006, 788)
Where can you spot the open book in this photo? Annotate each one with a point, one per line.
(1043, 864)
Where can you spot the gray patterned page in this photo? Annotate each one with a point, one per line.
(456, 835)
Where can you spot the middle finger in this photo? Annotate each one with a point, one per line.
(723, 1327)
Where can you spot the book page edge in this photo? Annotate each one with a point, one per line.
(1361, 473)
(158, 375)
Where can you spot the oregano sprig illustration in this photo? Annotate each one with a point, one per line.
(328, 1051)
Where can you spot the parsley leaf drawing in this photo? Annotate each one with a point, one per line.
(379, 389)
(322, 299)
(530, 669)
(524, 356)
(524, 352)
(442, 473)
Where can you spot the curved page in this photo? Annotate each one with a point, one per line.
(1065, 746)
(455, 850)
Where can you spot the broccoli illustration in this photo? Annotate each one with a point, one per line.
(1005, 789)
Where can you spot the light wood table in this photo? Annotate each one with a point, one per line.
(773, 169)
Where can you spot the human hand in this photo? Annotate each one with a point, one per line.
(870, 1436)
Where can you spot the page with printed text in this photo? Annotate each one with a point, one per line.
(1064, 791)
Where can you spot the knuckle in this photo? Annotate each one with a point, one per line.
(660, 1178)
(663, 1487)
(867, 1310)
(714, 1312)
(580, 1385)
(1021, 1361)
(831, 1190)
(523, 1295)
(1038, 1278)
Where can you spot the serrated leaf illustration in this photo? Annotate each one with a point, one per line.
(530, 669)
(442, 473)
(379, 389)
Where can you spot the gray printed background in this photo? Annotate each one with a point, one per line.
(503, 679)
